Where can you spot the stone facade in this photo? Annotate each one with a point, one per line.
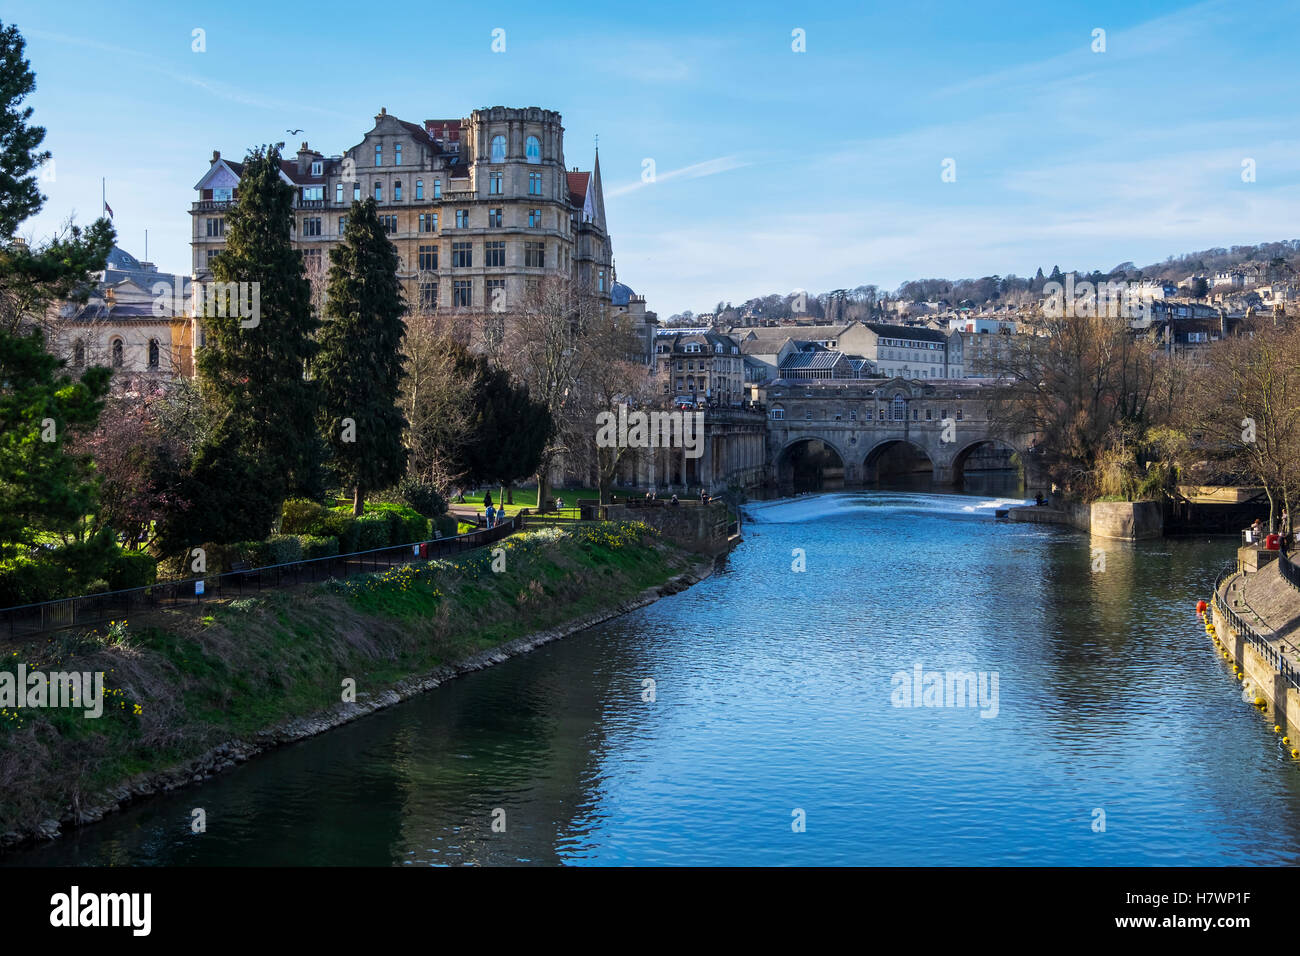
(943, 426)
(478, 208)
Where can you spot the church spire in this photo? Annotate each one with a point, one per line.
(597, 194)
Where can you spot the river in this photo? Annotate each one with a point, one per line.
(776, 733)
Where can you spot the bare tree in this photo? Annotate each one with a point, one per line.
(1245, 401)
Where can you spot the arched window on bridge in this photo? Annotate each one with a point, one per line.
(900, 408)
(777, 413)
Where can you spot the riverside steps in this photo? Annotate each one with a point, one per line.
(1254, 621)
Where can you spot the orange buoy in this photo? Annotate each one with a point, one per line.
(1201, 607)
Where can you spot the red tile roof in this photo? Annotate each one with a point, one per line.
(578, 188)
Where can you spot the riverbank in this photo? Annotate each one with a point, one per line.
(1254, 623)
(192, 693)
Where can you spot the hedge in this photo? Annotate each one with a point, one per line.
(374, 531)
(318, 546)
(301, 516)
(132, 569)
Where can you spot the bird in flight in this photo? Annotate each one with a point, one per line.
(293, 132)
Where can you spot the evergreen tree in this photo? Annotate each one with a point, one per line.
(44, 487)
(360, 363)
(252, 370)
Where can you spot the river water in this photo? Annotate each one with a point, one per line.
(776, 733)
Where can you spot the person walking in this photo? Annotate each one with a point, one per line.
(491, 515)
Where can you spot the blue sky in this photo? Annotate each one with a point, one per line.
(776, 170)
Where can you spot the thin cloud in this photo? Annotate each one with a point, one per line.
(710, 167)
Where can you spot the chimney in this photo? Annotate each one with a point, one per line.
(216, 155)
(304, 159)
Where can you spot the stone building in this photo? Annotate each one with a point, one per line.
(699, 366)
(912, 352)
(478, 208)
(135, 321)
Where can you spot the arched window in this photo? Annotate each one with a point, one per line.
(117, 353)
(533, 150)
(79, 354)
(153, 353)
(900, 408)
(498, 149)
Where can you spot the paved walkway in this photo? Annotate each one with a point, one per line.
(1267, 601)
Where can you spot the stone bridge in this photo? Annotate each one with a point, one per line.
(832, 433)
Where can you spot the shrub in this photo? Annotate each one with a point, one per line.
(423, 497)
(344, 528)
(283, 549)
(373, 531)
(447, 525)
(301, 516)
(24, 581)
(132, 569)
(318, 546)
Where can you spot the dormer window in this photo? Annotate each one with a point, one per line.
(316, 168)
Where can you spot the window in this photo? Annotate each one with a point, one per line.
(212, 254)
(315, 167)
(437, 189)
(117, 353)
(462, 292)
(428, 222)
(389, 223)
(534, 184)
(379, 154)
(397, 191)
(600, 287)
(494, 253)
(311, 227)
(356, 192)
(534, 218)
(535, 254)
(498, 149)
(929, 415)
(428, 296)
(959, 414)
(310, 193)
(79, 354)
(221, 194)
(495, 293)
(462, 255)
(533, 150)
(338, 193)
(428, 258)
(494, 218)
(154, 356)
(397, 154)
(462, 218)
(311, 260)
(916, 412)
(495, 179)
(216, 227)
(379, 191)
(853, 415)
(343, 224)
(419, 189)
(900, 408)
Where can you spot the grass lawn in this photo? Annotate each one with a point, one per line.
(527, 498)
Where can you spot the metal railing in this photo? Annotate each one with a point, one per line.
(1289, 571)
(27, 620)
(1288, 669)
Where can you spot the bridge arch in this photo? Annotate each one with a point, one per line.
(989, 455)
(896, 458)
(809, 464)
